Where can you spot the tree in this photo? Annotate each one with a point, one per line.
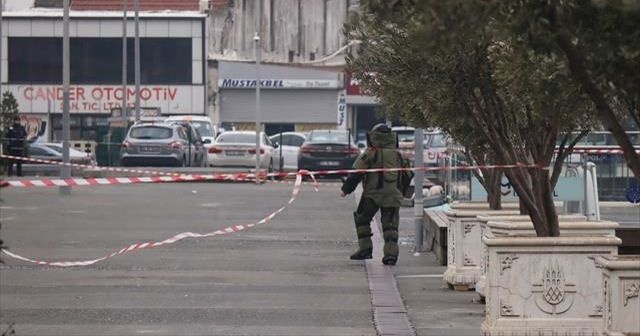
(598, 42)
(446, 64)
(8, 112)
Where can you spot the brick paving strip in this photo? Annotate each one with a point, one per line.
(389, 314)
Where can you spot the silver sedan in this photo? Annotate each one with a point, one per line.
(238, 149)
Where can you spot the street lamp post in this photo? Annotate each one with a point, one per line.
(258, 53)
(136, 60)
(123, 109)
(65, 172)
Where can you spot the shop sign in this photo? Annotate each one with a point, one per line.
(103, 98)
(342, 110)
(237, 83)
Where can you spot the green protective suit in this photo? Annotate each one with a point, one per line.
(380, 192)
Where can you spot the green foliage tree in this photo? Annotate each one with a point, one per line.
(598, 41)
(447, 64)
(8, 112)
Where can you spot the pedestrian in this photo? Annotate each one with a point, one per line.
(381, 191)
(17, 135)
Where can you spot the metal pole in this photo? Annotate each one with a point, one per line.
(1, 10)
(136, 60)
(123, 109)
(418, 205)
(65, 172)
(258, 53)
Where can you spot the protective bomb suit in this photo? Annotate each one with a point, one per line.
(381, 191)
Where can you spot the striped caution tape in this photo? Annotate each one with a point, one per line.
(168, 241)
(235, 177)
(599, 151)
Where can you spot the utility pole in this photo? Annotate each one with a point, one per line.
(124, 109)
(65, 172)
(136, 61)
(418, 179)
(258, 53)
(1, 10)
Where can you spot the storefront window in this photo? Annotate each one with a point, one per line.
(35, 59)
(83, 127)
(38, 60)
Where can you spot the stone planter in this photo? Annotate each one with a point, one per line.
(570, 225)
(464, 246)
(545, 285)
(621, 286)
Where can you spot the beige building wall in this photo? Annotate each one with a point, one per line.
(291, 30)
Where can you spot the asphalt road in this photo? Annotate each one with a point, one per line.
(290, 276)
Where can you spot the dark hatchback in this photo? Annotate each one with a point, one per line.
(327, 150)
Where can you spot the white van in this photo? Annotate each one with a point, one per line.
(204, 125)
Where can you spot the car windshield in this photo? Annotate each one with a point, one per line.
(405, 136)
(151, 132)
(237, 138)
(203, 127)
(329, 137)
(438, 140)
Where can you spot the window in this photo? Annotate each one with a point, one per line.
(96, 60)
(164, 61)
(237, 138)
(38, 60)
(203, 127)
(329, 137)
(150, 132)
(35, 59)
(38, 151)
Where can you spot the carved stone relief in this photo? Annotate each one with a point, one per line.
(467, 228)
(506, 261)
(554, 295)
(507, 310)
(631, 290)
(468, 261)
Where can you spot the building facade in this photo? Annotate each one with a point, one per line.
(292, 97)
(172, 67)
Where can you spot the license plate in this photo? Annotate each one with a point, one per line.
(234, 153)
(330, 163)
(149, 149)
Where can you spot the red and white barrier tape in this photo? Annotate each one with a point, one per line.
(598, 151)
(170, 240)
(222, 176)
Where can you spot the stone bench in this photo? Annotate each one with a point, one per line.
(436, 226)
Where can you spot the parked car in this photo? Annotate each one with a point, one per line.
(406, 140)
(328, 150)
(203, 124)
(238, 149)
(288, 148)
(198, 145)
(435, 147)
(157, 144)
(53, 152)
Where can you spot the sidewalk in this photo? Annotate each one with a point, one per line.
(433, 308)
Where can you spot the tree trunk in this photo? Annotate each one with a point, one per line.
(544, 197)
(494, 193)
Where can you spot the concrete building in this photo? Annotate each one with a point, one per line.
(300, 40)
(173, 62)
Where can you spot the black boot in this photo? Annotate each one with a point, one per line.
(362, 254)
(389, 260)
